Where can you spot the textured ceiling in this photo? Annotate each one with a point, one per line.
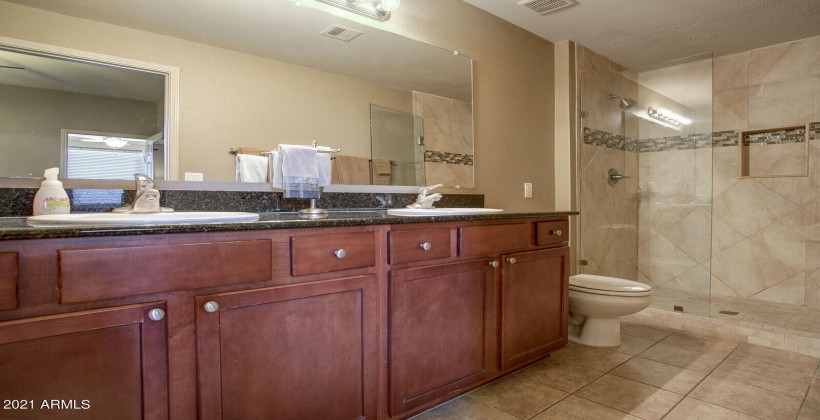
(636, 33)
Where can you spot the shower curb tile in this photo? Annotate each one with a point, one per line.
(760, 341)
(808, 351)
(771, 336)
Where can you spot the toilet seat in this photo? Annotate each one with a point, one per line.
(608, 286)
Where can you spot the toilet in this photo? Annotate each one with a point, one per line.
(597, 302)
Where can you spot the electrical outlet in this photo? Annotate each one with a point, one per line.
(527, 190)
(193, 176)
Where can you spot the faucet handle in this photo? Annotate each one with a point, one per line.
(143, 182)
(426, 190)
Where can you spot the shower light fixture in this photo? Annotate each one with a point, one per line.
(667, 116)
(375, 9)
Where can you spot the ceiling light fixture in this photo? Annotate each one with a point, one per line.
(375, 9)
(667, 116)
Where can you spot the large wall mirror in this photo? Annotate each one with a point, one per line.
(253, 74)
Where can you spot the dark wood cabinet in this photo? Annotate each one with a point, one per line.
(105, 364)
(441, 331)
(307, 351)
(534, 305)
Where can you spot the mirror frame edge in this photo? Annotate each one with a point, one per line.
(171, 101)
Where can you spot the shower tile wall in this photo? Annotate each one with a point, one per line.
(762, 226)
(609, 215)
(448, 139)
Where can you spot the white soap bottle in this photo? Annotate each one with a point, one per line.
(51, 198)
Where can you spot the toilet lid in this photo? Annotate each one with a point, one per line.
(608, 285)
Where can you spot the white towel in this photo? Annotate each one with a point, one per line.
(324, 169)
(250, 168)
(297, 171)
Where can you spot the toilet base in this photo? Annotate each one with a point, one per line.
(598, 332)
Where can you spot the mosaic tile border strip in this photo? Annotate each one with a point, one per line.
(446, 157)
(693, 141)
(795, 135)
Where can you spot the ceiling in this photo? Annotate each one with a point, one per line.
(637, 33)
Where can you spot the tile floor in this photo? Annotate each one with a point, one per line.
(657, 373)
(778, 317)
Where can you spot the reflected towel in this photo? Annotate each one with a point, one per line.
(350, 170)
(250, 168)
(381, 171)
(297, 171)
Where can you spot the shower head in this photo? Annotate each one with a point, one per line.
(625, 103)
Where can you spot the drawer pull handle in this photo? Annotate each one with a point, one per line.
(340, 253)
(426, 246)
(511, 260)
(156, 314)
(558, 232)
(493, 264)
(211, 306)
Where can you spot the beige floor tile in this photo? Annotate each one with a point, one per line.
(464, 408)
(809, 411)
(746, 398)
(814, 392)
(700, 343)
(776, 359)
(645, 331)
(598, 358)
(560, 374)
(661, 375)
(576, 408)
(634, 345)
(518, 396)
(691, 409)
(682, 357)
(645, 401)
(766, 372)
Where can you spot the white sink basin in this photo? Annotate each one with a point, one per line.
(120, 219)
(455, 211)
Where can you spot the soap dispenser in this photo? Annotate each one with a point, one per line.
(51, 198)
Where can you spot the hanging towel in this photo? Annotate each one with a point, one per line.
(297, 171)
(250, 168)
(351, 170)
(324, 169)
(381, 171)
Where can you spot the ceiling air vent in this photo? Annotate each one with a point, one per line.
(340, 32)
(542, 7)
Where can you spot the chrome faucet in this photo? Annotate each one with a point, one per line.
(425, 199)
(146, 200)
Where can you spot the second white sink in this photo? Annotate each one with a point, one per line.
(452, 211)
(131, 219)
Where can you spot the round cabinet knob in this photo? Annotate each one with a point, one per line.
(211, 306)
(340, 253)
(511, 260)
(494, 264)
(558, 232)
(426, 246)
(156, 314)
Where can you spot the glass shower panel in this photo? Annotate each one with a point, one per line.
(396, 137)
(675, 183)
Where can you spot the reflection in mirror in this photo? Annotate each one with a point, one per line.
(397, 149)
(264, 77)
(93, 155)
(46, 102)
(774, 152)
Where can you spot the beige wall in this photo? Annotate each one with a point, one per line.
(32, 120)
(222, 101)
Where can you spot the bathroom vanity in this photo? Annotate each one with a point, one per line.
(361, 315)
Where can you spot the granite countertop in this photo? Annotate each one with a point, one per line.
(16, 228)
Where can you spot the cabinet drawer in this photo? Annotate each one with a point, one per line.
(419, 245)
(105, 273)
(9, 273)
(551, 232)
(478, 240)
(324, 253)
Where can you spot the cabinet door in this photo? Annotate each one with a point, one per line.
(102, 364)
(306, 351)
(441, 331)
(534, 305)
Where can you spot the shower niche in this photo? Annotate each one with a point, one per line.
(774, 152)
